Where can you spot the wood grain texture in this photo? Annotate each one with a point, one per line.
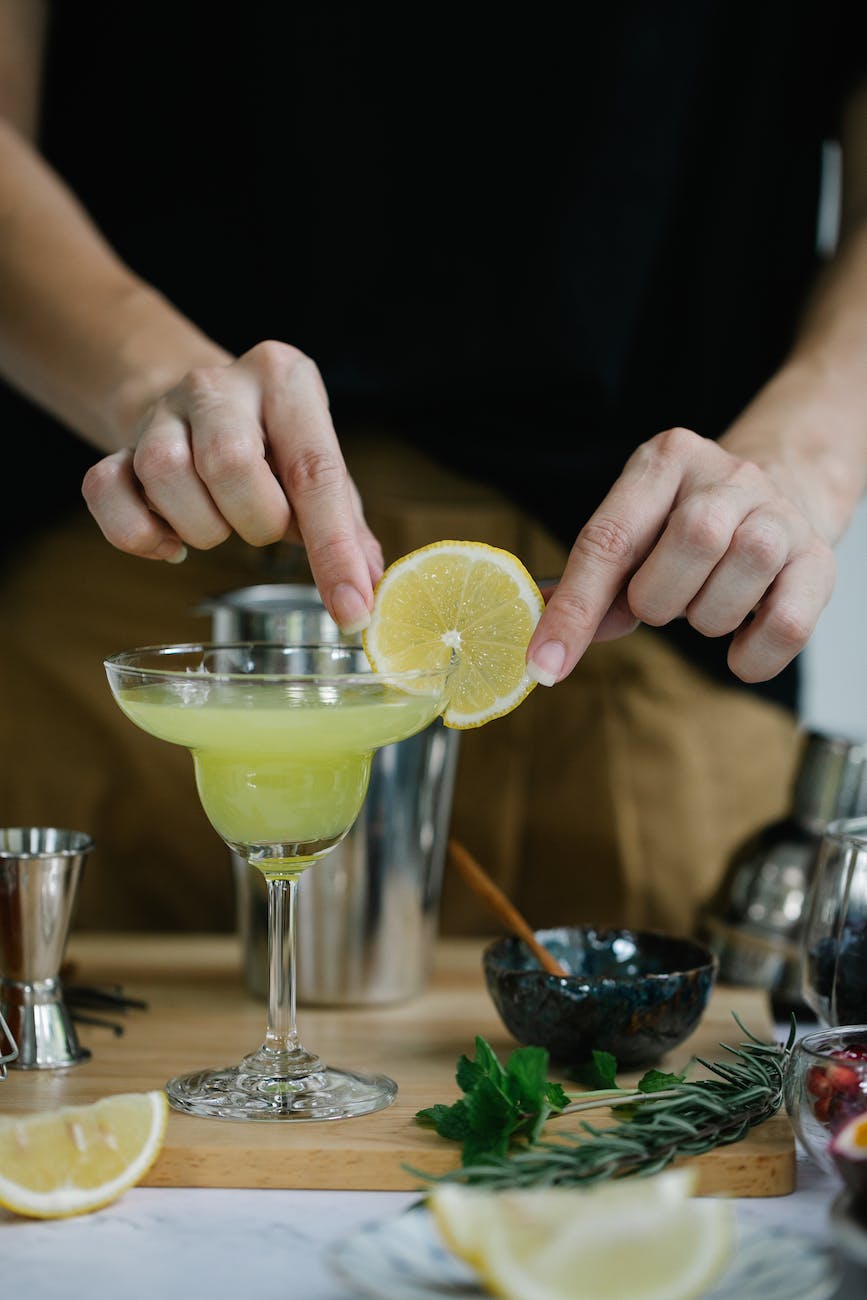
(199, 1014)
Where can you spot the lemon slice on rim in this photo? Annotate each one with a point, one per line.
(69, 1161)
(467, 598)
(635, 1239)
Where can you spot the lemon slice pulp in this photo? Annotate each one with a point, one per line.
(635, 1239)
(79, 1158)
(469, 599)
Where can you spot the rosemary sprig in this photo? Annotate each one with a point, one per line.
(685, 1119)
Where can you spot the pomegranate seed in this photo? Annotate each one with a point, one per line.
(854, 1052)
(843, 1080)
(817, 1081)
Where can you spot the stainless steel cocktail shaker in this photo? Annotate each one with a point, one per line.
(755, 921)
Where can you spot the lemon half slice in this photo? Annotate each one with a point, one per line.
(635, 1239)
(467, 598)
(78, 1158)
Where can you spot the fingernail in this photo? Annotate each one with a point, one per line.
(547, 662)
(178, 557)
(350, 610)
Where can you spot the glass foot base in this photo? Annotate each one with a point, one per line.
(239, 1092)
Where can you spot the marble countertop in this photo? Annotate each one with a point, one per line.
(190, 1243)
(176, 1243)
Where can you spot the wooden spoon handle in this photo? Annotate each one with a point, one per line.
(480, 882)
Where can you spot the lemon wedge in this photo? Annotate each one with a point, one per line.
(69, 1161)
(635, 1239)
(467, 598)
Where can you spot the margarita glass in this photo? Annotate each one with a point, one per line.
(282, 738)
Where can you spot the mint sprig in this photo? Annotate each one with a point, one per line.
(501, 1105)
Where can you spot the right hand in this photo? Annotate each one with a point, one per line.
(246, 447)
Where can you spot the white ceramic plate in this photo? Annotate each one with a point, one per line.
(404, 1259)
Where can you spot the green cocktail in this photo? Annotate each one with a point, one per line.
(282, 739)
(273, 770)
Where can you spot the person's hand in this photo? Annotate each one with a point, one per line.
(247, 447)
(689, 530)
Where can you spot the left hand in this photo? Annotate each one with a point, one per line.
(690, 530)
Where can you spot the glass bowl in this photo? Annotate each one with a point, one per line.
(826, 1088)
(835, 927)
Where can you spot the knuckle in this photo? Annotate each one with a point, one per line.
(130, 540)
(275, 358)
(313, 471)
(608, 539)
(674, 443)
(789, 626)
(703, 526)
(203, 386)
(744, 473)
(282, 367)
(158, 460)
(706, 624)
(267, 528)
(222, 460)
(573, 610)
(645, 608)
(749, 667)
(99, 479)
(761, 546)
(134, 536)
(820, 551)
(210, 536)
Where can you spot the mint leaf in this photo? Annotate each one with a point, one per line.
(468, 1073)
(487, 1059)
(599, 1072)
(658, 1081)
(556, 1096)
(493, 1118)
(452, 1122)
(527, 1083)
(527, 1076)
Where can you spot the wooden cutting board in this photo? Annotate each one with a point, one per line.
(199, 1014)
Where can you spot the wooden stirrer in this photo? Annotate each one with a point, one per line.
(480, 882)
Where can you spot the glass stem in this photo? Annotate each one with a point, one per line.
(281, 1039)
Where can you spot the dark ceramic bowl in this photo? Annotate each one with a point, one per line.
(634, 993)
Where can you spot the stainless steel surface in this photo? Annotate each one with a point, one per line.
(368, 911)
(289, 612)
(831, 781)
(40, 869)
(755, 921)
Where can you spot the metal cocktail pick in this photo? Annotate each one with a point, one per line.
(40, 868)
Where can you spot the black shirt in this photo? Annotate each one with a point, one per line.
(494, 230)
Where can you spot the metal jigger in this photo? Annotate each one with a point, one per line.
(40, 867)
